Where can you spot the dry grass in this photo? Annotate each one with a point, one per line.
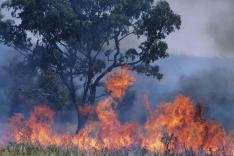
(32, 150)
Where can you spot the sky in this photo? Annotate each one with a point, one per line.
(207, 28)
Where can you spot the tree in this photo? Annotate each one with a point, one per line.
(81, 40)
(24, 88)
(17, 77)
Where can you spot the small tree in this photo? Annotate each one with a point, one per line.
(81, 40)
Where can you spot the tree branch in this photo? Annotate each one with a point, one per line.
(98, 52)
(113, 66)
(21, 52)
(126, 36)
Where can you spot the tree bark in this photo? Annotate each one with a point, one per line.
(92, 97)
(82, 120)
(82, 117)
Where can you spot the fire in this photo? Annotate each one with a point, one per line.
(108, 133)
(38, 129)
(171, 127)
(118, 82)
(113, 134)
(177, 126)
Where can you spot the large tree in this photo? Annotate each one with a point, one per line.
(83, 40)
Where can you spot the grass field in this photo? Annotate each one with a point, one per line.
(32, 150)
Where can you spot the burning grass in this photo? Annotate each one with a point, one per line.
(176, 127)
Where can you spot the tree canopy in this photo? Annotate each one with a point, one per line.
(82, 40)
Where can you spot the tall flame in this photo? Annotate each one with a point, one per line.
(178, 126)
(171, 127)
(118, 82)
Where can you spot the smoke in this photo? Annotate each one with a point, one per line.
(214, 90)
(208, 81)
(221, 27)
(207, 28)
(5, 56)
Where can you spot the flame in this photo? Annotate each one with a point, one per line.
(118, 82)
(177, 126)
(174, 127)
(108, 133)
(113, 134)
(38, 129)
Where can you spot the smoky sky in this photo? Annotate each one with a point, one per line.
(221, 28)
(208, 81)
(214, 90)
(207, 28)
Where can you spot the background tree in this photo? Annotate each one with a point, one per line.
(82, 40)
(23, 88)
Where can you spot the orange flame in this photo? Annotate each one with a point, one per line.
(176, 127)
(38, 129)
(118, 82)
(113, 134)
(171, 127)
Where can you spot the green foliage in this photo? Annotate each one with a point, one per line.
(17, 76)
(81, 40)
(149, 70)
(12, 35)
(53, 89)
(159, 22)
(24, 83)
(52, 18)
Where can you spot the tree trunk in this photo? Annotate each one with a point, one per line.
(83, 118)
(92, 97)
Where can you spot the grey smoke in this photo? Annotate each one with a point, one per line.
(214, 90)
(208, 81)
(207, 28)
(221, 28)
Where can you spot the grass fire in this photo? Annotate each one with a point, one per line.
(116, 78)
(177, 127)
